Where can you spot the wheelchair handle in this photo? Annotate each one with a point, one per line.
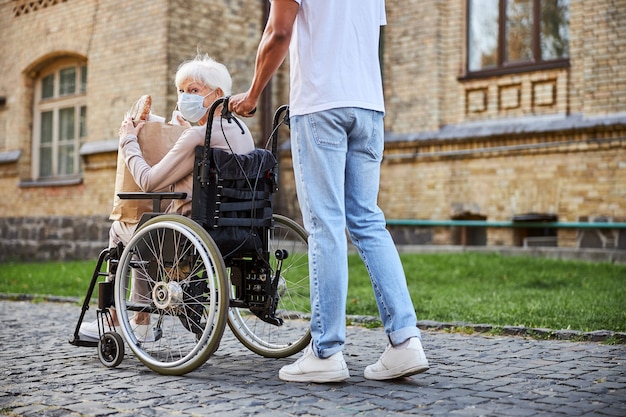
(204, 172)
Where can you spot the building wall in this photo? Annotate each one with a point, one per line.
(427, 88)
(131, 49)
(547, 141)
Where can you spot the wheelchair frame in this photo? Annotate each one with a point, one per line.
(179, 270)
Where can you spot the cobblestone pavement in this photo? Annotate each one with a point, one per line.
(470, 375)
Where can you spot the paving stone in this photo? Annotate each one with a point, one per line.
(471, 375)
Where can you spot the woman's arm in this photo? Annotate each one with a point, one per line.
(178, 162)
(174, 166)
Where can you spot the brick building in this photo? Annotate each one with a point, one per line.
(496, 132)
(495, 111)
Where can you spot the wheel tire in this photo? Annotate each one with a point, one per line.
(111, 349)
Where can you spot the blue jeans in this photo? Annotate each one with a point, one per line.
(336, 157)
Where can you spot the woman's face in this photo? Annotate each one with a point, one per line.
(194, 87)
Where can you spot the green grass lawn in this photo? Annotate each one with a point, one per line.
(507, 290)
(475, 288)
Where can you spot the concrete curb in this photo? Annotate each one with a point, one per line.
(608, 336)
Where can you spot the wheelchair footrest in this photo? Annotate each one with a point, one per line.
(86, 343)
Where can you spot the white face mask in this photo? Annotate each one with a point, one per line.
(190, 106)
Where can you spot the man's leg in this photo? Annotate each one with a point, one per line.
(404, 355)
(319, 145)
(367, 226)
(318, 151)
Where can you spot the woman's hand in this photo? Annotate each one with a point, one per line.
(182, 121)
(129, 128)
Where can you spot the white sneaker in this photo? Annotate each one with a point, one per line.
(310, 368)
(396, 362)
(89, 331)
(143, 332)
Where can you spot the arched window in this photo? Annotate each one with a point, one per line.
(60, 114)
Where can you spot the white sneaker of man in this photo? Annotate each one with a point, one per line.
(310, 368)
(404, 360)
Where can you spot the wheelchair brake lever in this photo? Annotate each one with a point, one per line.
(228, 115)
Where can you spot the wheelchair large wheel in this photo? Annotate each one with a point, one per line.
(294, 308)
(172, 272)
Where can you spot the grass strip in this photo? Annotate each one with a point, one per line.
(479, 288)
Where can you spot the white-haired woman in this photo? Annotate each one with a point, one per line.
(199, 83)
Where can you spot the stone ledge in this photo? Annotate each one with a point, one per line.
(9, 157)
(578, 254)
(536, 333)
(101, 146)
(519, 125)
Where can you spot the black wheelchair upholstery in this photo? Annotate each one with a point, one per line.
(234, 204)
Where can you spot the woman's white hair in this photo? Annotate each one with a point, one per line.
(207, 71)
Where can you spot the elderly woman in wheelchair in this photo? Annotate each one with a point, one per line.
(218, 254)
(199, 83)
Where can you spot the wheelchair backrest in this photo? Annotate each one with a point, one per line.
(235, 204)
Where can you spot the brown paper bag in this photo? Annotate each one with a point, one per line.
(155, 140)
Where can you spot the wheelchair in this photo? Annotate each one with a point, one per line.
(232, 262)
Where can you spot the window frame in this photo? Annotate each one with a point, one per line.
(502, 67)
(55, 104)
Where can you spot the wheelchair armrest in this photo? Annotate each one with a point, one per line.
(155, 197)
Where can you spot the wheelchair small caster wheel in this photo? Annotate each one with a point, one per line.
(111, 349)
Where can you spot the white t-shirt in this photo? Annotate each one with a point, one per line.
(334, 56)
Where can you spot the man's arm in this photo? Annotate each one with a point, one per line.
(271, 53)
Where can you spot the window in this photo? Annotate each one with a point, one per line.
(60, 116)
(517, 35)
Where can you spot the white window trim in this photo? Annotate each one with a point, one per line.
(54, 104)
